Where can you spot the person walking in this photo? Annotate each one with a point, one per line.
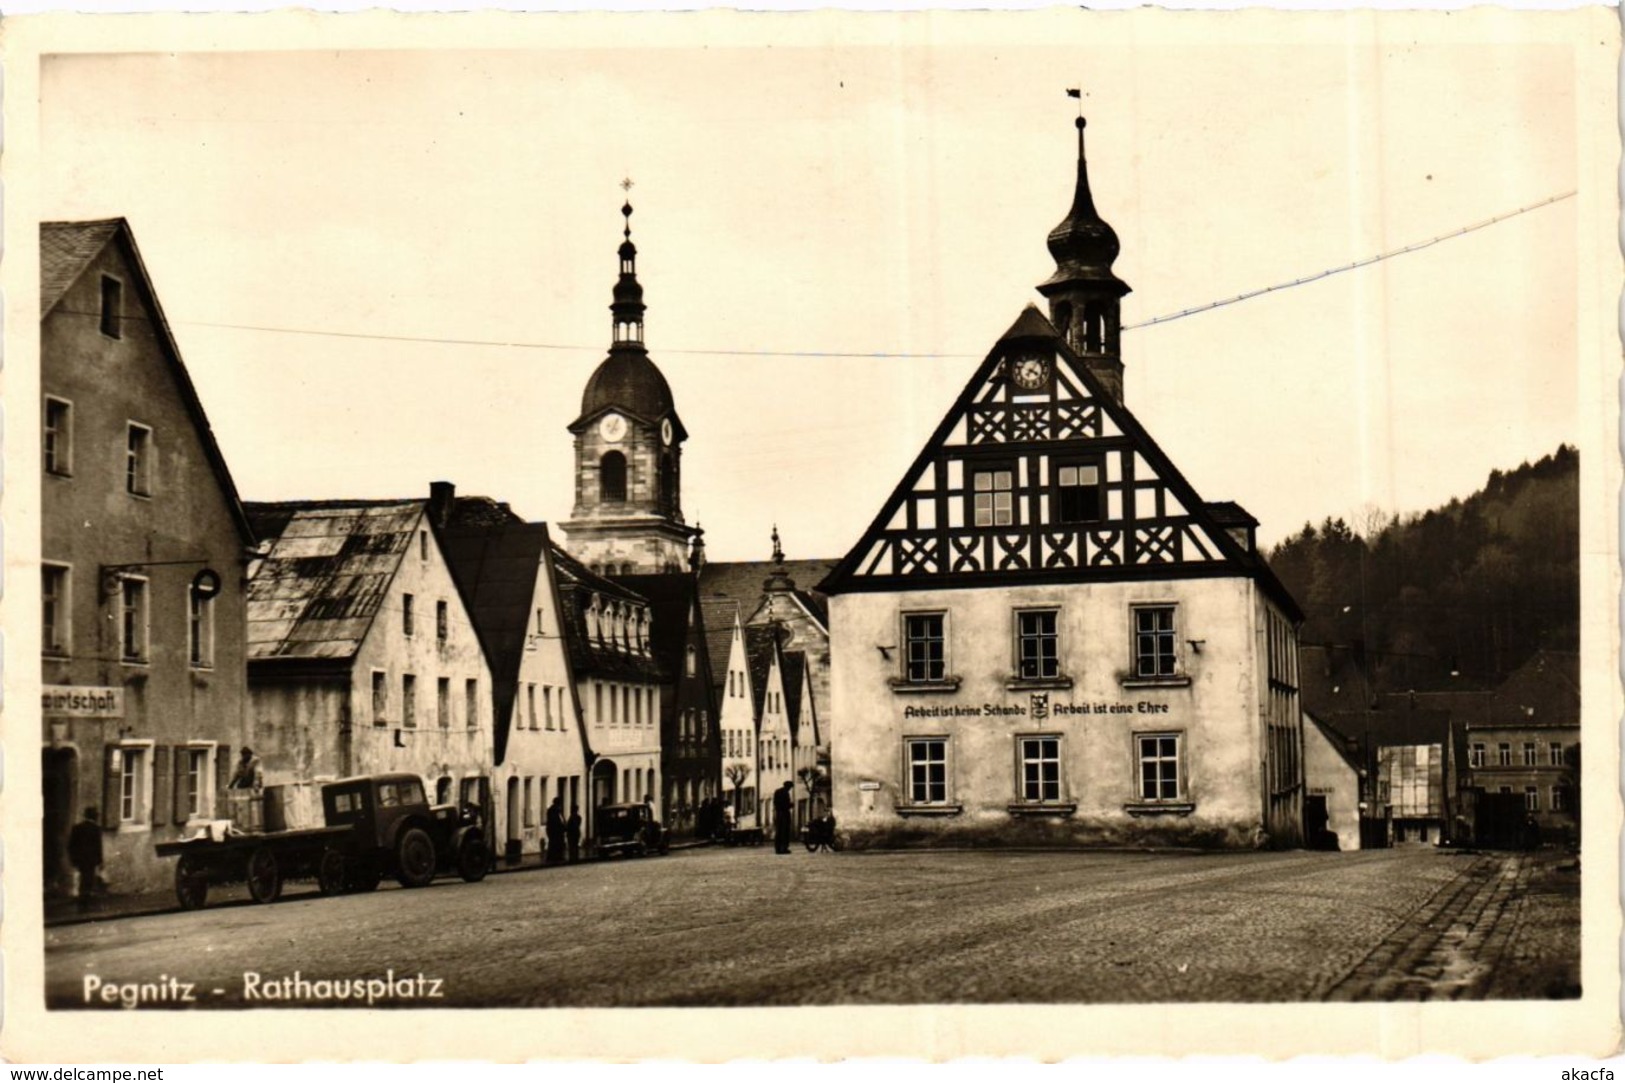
(783, 817)
(555, 832)
(572, 833)
(85, 853)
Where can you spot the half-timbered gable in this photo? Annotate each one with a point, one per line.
(1037, 474)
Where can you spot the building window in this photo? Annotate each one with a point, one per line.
(927, 770)
(1040, 768)
(409, 701)
(1557, 799)
(1529, 753)
(612, 476)
(194, 782)
(407, 621)
(200, 629)
(112, 306)
(1554, 754)
(1159, 766)
(1531, 798)
(1504, 754)
(138, 460)
(133, 784)
(58, 426)
(993, 501)
(925, 645)
(1078, 497)
(1154, 641)
(1476, 755)
(442, 702)
(471, 694)
(530, 703)
(423, 545)
(133, 619)
(442, 621)
(56, 606)
(692, 661)
(1037, 644)
(380, 698)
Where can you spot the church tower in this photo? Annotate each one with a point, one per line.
(628, 514)
(1084, 295)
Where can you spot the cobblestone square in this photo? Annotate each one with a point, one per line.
(747, 927)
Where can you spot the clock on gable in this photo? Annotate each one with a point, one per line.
(1028, 371)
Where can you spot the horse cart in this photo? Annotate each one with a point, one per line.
(373, 826)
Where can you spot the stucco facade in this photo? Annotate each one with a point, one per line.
(1332, 780)
(403, 686)
(143, 668)
(737, 722)
(1096, 711)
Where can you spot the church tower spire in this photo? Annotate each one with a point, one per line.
(1084, 295)
(628, 514)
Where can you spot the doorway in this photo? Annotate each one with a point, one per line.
(60, 776)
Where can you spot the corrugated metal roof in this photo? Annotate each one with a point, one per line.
(326, 576)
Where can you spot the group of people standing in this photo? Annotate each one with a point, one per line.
(563, 834)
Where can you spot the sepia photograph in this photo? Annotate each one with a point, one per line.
(818, 510)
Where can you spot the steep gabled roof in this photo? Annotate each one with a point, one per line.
(590, 656)
(317, 592)
(898, 552)
(495, 569)
(1339, 742)
(793, 670)
(742, 582)
(761, 650)
(1544, 691)
(672, 597)
(66, 250)
(719, 616)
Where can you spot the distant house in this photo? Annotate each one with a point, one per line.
(690, 740)
(362, 655)
(144, 545)
(1528, 742)
(1411, 759)
(1332, 779)
(774, 746)
(736, 713)
(504, 570)
(617, 679)
(809, 754)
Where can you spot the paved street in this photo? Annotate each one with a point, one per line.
(743, 927)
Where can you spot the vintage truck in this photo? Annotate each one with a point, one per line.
(373, 826)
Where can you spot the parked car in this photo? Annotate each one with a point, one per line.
(629, 829)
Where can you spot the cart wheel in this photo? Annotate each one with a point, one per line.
(191, 882)
(330, 873)
(414, 858)
(812, 844)
(472, 858)
(264, 877)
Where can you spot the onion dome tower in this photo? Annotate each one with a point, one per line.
(628, 514)
(1084, 295)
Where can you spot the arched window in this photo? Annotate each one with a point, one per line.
(668, 483)
(1063, 322)
(612, 476)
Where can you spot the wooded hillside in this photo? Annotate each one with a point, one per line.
(1474, 587)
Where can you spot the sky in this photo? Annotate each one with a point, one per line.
(386, 268)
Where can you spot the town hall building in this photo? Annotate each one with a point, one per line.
(1046, 635)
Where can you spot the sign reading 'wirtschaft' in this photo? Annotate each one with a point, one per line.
(64, 701)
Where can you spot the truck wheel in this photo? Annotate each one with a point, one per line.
(472, 858)
(264, 877)
(414, 858)
(191, 882)
(330, 873)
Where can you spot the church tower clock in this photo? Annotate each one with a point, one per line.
(628, 514)
(1084, 295)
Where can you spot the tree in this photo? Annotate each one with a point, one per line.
(736, 773)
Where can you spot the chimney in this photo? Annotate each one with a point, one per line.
(442, 495)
